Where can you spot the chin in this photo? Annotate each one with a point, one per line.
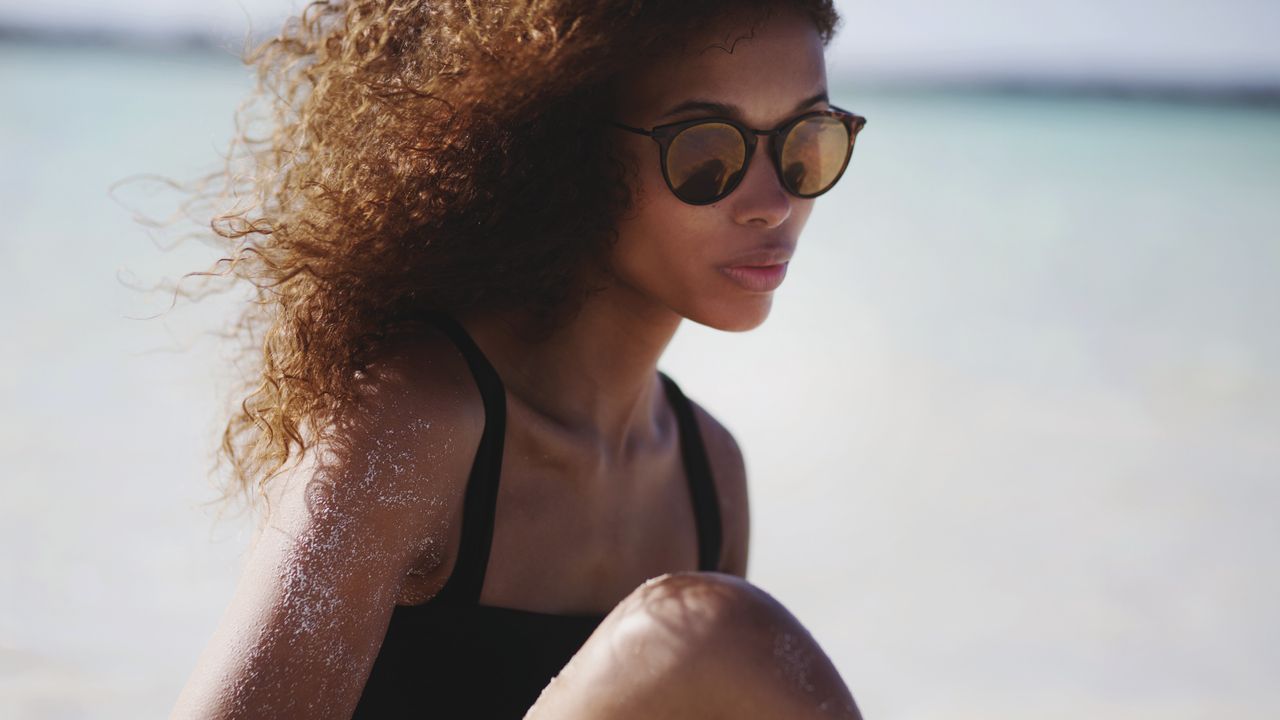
(737, 315)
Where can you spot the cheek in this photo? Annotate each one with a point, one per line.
(800, 212)
(658, 236)
(658, 241)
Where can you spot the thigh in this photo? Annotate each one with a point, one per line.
(697, 645)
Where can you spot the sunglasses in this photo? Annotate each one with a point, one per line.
(703, 160)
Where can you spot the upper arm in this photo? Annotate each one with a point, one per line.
(319, 585)
(730, 474)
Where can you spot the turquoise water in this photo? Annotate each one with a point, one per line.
(1011, 429)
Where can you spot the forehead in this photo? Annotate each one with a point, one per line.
(762, 66)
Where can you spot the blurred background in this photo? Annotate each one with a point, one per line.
(1012, 431)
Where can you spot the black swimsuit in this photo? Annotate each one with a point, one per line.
(452, 657)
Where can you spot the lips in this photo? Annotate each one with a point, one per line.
(758, 279)
(760, 270)
(762, 257)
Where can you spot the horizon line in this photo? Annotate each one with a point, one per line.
(1224, 90)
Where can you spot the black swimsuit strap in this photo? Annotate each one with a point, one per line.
(481, 500)
(706, 508)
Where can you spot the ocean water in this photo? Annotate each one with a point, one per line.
(1012, 430)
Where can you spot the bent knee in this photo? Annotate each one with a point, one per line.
(693, 614)
(693, 644)
(700, 597)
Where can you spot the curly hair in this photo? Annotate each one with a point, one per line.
(421, 156)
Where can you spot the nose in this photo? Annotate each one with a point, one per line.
(760, 200)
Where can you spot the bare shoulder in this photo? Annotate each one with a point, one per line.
(730, 474)
(397, 459)
(344, 525)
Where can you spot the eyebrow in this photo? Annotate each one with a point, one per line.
(730, 109)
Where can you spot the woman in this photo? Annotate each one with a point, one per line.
(471, 246)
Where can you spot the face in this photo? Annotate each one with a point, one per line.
(690, 259)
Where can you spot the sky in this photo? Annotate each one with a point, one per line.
(1126, 40)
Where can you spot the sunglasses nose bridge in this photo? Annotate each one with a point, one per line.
(771, 149)
(752, 136)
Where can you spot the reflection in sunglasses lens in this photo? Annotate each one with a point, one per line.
(813, 154)
(703, 160)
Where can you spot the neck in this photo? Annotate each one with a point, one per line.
(595, 377)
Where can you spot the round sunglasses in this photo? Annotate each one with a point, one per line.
(703, 160)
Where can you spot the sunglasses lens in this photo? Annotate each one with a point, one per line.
(704, 160)
(814, 154)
